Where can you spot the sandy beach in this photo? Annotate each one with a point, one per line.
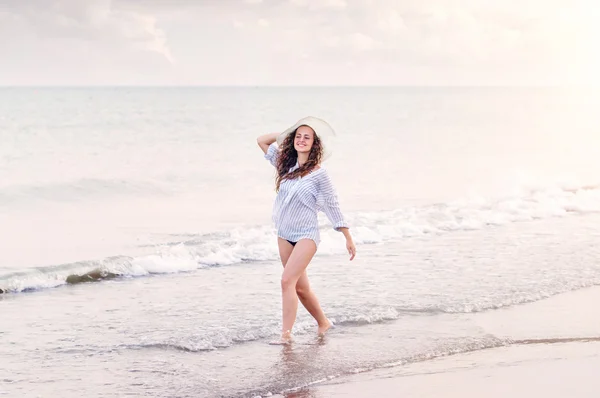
(555, 353)
(561, 370)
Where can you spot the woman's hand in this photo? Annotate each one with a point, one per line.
(351, 248)
(349, 242)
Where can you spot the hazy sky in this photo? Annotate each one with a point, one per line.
(298, 42)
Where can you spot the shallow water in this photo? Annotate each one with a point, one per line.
(205, 333)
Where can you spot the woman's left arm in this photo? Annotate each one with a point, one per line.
(334, 213)
(349, 242)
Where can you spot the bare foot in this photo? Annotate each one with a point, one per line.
(324, 328)
(286, 338)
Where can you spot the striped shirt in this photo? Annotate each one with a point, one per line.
(299, 200)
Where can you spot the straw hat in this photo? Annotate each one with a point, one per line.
(323, 130)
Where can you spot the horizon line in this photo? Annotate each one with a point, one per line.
(297, 86)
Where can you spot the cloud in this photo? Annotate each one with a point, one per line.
(320, 4)
(94, 20)
(363, 42)
(355, 42)
(391, 21)
(332, 41)
(298, 41)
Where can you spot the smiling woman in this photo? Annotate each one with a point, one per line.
(304, 188)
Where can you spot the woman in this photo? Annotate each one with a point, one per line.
(303, 188)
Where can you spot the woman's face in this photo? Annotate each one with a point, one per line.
(304, 139)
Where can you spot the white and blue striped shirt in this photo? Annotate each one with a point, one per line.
(299, 200)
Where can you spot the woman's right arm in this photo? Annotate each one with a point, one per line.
(265, 140)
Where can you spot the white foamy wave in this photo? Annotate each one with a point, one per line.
(366, 316)
(475, 213)
(257, 243)
(235, 246)
(167, 260)
(175, 259)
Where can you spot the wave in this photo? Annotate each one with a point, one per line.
(255, 243)
(226, 338)
(176, 259)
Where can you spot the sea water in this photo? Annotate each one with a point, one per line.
(460, 201)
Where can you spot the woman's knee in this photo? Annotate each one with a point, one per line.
(302, 291)
(288, 282)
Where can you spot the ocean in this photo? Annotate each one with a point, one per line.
(138, 257)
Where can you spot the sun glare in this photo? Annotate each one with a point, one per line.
(586, 64)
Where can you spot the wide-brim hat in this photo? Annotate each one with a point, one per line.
(321, 128)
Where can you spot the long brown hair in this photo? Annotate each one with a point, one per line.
(289, 156)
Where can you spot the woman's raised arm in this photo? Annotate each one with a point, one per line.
(265, 140)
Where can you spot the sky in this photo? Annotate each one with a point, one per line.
(299, 42)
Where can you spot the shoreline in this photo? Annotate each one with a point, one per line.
(560, 370)
(554, 351)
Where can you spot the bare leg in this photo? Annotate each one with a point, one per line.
(294, 268)
(311, 303)
(306, 295)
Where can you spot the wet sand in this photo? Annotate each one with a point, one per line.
(560, 370)
(555, 352)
